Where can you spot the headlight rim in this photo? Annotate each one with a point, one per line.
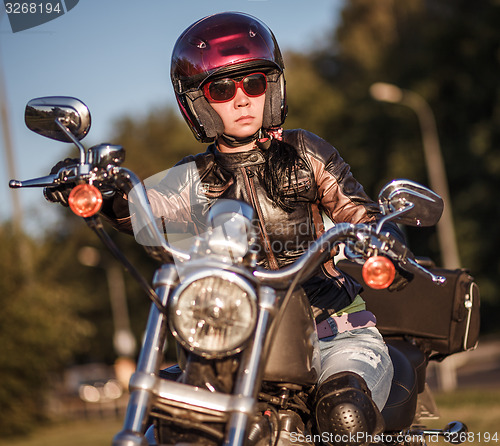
(223, 274)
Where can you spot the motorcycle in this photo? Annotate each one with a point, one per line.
(247, 343)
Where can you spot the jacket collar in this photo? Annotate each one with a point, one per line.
(237, 159)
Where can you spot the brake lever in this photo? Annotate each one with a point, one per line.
(69, 172)
(48, 180)
(419, 269)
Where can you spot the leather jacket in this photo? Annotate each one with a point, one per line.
(323, 183)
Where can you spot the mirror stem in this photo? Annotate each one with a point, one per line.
(391, 216)
(72, 138)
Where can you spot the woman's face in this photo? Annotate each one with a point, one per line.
(242, 116)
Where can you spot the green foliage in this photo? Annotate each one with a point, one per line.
(65, 245)
(156, 142)
(311, 100)
(39, 332)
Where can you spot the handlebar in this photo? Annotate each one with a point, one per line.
(366, 238)
(317, 253)
(67, 174)
(345, 233)
(125, 180)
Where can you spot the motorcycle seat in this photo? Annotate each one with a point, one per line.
(400, 407)
(416, 357)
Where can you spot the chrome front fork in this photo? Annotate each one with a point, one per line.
(144, 384)
(143, 381)
(252, 368)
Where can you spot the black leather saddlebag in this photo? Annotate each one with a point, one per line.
(441, 319)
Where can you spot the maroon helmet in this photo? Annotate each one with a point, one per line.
(223, 45)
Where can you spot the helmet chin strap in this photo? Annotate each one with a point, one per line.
(262, 138)
(234, 141)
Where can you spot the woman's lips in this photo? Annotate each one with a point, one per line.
(245, 119)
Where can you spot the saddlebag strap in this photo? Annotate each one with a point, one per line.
(347, 321)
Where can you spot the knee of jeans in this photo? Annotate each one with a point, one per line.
(373, 365)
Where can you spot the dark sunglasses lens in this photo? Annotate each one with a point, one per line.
(255, 84)
(222, 90)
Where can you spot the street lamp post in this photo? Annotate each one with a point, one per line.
(436, 171)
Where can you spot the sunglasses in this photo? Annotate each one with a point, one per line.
(223, 90)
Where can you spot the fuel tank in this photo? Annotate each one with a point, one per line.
(294, 353)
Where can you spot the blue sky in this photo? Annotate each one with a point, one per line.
(115, 56)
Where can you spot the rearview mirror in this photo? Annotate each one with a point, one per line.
(41, 115)
(410, 203)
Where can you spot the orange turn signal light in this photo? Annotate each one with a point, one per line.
(85, 200)
(378, 272)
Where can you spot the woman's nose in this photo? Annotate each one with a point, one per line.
(241, 99)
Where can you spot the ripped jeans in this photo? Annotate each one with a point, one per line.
(362, 351)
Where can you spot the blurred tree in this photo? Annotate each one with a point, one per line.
(312, 101)
(65, 245)
(40, 331)
(156, 142)
(448, 51)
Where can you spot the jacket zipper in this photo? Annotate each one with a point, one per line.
(250, 187)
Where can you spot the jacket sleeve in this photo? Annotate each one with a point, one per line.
(340, 195)
(180, 199)
(170, 200)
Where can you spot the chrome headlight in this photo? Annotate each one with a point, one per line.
(213, 313)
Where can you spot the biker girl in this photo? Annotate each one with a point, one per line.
(228, 76)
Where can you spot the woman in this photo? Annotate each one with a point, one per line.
(228, 75)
